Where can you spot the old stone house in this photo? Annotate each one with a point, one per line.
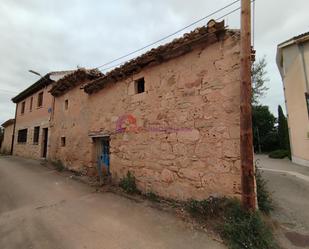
(170, 116)
(6, 145)
(34, 108)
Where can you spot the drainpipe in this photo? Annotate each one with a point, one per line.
(13, 135)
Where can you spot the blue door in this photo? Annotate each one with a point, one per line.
(105, 154)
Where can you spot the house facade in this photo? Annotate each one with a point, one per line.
(34, 108)
(6, 145)
(170, 117)
(293, 64)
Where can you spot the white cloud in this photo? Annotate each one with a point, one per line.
(58, 35)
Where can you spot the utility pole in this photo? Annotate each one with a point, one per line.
(246, 145)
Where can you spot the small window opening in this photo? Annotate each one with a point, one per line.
(22, 136)
(140, 85)
(40, 99)
(23, 104)
(36, 135)
(62, 141)
(66, 104)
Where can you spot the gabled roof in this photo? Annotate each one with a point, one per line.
(41, 83)
(203, 35)
(296, 39)
(8, 122)
(73, 79)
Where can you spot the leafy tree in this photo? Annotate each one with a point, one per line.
(259, 79)
(265, 137)
(283, 132)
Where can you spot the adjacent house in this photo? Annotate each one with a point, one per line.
(6, 146)
(170, 116)
(34, 108)
(293, 64)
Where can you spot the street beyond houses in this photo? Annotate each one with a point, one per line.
(289, 185)
(40, 208)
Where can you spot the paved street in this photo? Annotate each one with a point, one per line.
(40, 208)
(289, 184)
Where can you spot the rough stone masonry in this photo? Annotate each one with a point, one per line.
(179, 137)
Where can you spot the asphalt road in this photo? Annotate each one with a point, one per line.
(289, 185)
(40, 208)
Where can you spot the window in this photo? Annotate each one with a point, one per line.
(140, 85)
(36, 135)
(66, 104)
(31, 103)
(22, 136)
(307, 101)
(40, 99)
(23, 104)
(62, 141)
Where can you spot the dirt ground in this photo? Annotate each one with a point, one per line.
(41, 208)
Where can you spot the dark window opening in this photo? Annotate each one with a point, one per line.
(140, 85)
(40, 99)
(62, 141)
(36, 134)
(307, 102)
(31, 103)
(23, 104)
(22, 136)
(66, 104)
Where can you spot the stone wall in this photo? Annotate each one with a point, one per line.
(182, 134)
(72, 123)
(38, 116)
(7, 139)
(194, 100)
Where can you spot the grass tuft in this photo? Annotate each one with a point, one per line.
(58, 165)
(264, 198)
(239, 228)
(128, 183)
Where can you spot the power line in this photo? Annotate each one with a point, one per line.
(104, 69)
(172, 34)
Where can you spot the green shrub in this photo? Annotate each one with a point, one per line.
(128, 184)
(58, 165)
(279, 154)
(240, 229)
(264, 198)
(246, 230)
(152, 196)
(209, 208)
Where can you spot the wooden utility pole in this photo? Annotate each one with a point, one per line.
(246, 145)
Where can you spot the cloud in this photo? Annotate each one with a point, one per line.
(59, 35)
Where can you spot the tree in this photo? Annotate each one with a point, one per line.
(265, 137)
(259, 79)
(283, 131)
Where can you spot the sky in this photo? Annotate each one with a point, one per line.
(56, 35)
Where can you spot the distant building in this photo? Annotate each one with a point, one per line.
(6, 145)
(34, 108)
(293, 64)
